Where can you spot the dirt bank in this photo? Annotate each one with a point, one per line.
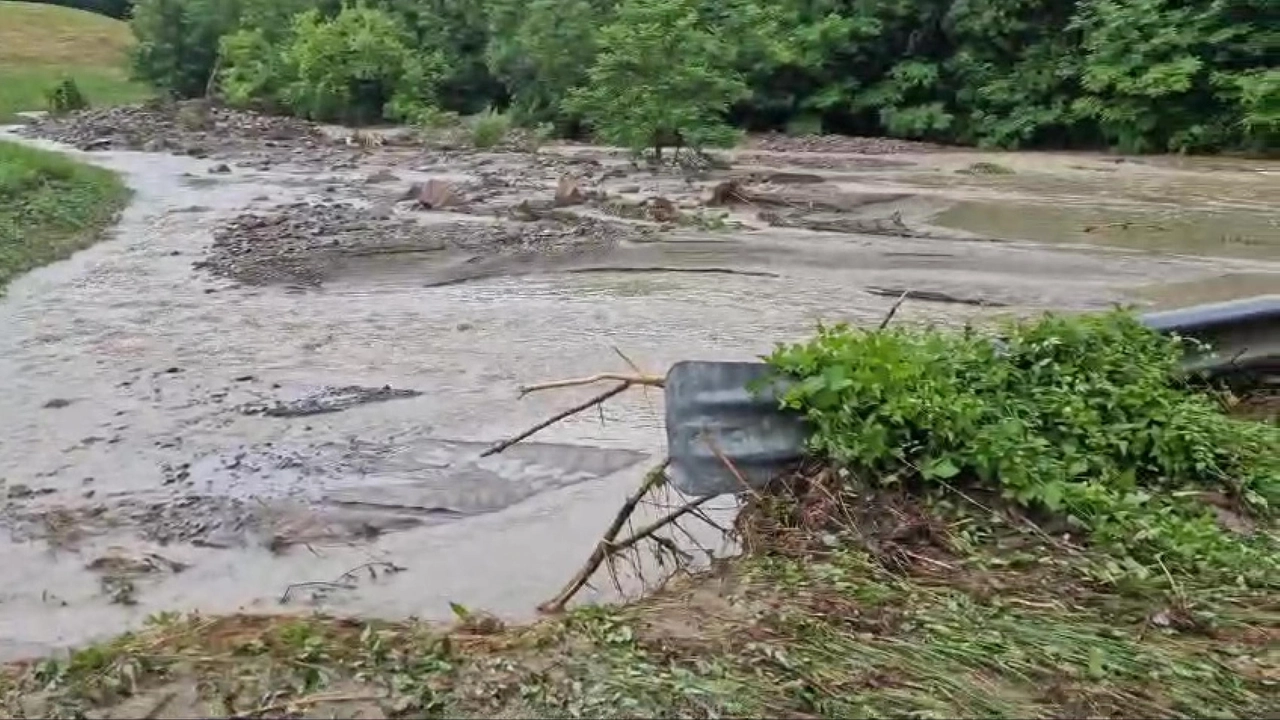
(290, 267)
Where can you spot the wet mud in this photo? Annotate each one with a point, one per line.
(288, 358)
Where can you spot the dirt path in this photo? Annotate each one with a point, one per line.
(182, 438)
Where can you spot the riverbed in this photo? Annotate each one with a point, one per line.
(281, 366)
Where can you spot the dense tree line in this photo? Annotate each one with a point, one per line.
(1135, 75)
(118, 9)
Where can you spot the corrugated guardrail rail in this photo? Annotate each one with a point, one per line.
(713, 414)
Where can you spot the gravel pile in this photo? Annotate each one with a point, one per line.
(190, 127)
(307, 243)
(779, 142)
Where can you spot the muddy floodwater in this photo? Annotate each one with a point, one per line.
(284, 362)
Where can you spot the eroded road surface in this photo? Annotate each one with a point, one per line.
(286, 360)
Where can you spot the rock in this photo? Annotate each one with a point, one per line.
(661, 209)
(629, 189)
(788, 178)
(56, 403)
(436, 194)
(220, 169)
(381, 176)
(729, 192)
(568, 192)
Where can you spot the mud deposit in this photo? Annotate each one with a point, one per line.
(287, 361)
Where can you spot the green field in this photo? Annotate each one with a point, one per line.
(50, 207)
(40, 44)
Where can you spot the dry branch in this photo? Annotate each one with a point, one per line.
(598, 399)
(893, 310)
(654, 478)
(627, 380)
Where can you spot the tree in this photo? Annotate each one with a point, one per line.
(358, 67)
(178, 42)
(541, 50)
(661, 79)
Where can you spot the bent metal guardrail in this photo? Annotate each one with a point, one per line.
(711, 415)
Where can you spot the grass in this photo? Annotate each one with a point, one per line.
(830, 636)
(50, 207)
(41, 44)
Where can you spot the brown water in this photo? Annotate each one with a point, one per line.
(147, 363)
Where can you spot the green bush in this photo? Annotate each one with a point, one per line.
(489, 129)
(66, 97)
(355, 67)
(178, 42)
(662, 79)
(1083, 417)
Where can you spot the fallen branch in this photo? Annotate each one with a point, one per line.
(627, 380)
(598, 399)
(654, 478)
(935, 296)
(672, 269)
(893, 310)
(343, 581)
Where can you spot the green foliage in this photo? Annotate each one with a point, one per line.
(178, 42)
(1136, 75)
(541, 50)
(253, 72)
(357, 67)
(50, 206)
(662, 78)
(489, 129)
(1082, 417)
(66, 97)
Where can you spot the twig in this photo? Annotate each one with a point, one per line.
(732, 468)
(937, 296)
(630, 363)
(670, 546)
(343, 581)
(302, 702)
(673, 269)
(598, 399)
(653, 479)
(212, 81)
(628, 380)
(893, 310)
(657, 525)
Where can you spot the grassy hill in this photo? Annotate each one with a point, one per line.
(41, 43)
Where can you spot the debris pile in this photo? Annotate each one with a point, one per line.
(191, 127)
(779, 142)
(307, 243)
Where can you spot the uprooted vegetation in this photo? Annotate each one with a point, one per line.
(1054, 524)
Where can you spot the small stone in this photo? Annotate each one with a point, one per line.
(568, 192)
(381, 176)
(56, 403)
(220, 169)
(434, 194)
